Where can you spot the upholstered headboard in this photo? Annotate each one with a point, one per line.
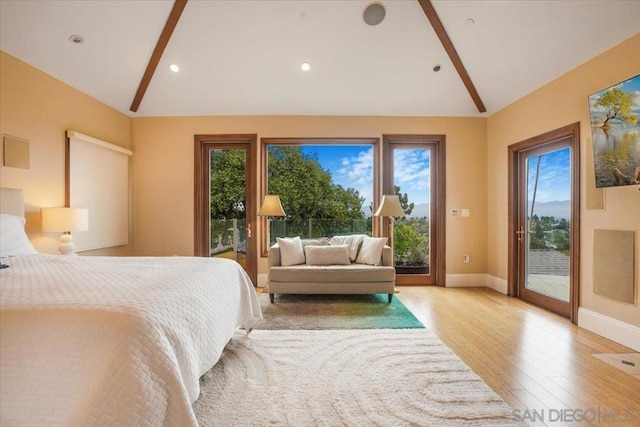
(11, 201)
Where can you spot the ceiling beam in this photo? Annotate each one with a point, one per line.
(172, 21)
(432, 16)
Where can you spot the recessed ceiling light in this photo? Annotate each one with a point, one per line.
(75, 38)
(305, 66)
(174, 68)
(437, 68)
(469, 21)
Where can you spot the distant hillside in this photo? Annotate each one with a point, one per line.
(557, 208)
(419, 211)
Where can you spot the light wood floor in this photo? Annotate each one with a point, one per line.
(534, 359)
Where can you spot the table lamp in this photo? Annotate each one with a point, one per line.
(65, 220)
(271, 207)
(390, 207)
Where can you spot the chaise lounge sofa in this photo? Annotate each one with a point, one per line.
(341, 265)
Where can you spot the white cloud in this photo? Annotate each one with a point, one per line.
(412, 173)
(357, 173)
(411, 170)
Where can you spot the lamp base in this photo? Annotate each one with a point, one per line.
(66, 244)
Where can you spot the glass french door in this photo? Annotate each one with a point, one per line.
(546, 220)
(224, 212)
(229, 229)
(412, 170)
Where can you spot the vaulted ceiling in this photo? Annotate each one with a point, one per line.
(243, 57)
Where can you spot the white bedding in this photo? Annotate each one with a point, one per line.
(114, 341)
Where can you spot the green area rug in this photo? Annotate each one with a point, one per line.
(335, 312)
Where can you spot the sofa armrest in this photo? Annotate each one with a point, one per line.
(387, 256)
(274, 256)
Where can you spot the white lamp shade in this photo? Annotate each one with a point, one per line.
(65, 219)
(390, 206)
(271, 206)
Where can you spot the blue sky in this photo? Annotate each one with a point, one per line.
(352, 167)
(412, 173)
(554, 181)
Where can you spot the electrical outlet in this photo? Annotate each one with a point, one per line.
(466, 258)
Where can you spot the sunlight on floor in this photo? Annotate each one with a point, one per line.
(551, 285)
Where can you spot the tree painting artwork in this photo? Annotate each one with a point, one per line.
(614, 132)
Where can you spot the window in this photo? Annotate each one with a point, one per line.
(327, 186)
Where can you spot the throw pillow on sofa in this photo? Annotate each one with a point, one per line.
(371, 250)
(320, 241)
(327, 255)
(353, 241)
(291, 252)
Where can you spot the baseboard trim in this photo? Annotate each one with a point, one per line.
(497, 284)
(466, 280)
(613, 329)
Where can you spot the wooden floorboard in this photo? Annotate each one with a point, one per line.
(534, 359)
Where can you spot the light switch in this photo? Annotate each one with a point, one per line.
(455, 212)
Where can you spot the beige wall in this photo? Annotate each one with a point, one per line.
(562, 102)
(39, 108)
(163, 173)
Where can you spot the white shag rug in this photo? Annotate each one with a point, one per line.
(380, 377)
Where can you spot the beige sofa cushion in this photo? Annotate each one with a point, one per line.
(371, 250)
(320, 241)
(291, 252)
(274, 256)
(332, 273)
(353, 241)
(327, 255)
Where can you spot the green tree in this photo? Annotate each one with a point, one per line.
(561, 240)
(537, 238)
(405, 240)
(563, 224)
(617, 104)
(227, 184)
(308, 191)
(404, 200)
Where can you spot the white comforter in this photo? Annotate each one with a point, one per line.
(114, 341)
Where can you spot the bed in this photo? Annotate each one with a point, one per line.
(113, 341)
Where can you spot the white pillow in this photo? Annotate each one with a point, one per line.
(291, 252)
(327, 255)
(13, 239)
(371, 250)
(352, 241)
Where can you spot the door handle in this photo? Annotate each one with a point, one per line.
(248, 231)
(520, 232)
